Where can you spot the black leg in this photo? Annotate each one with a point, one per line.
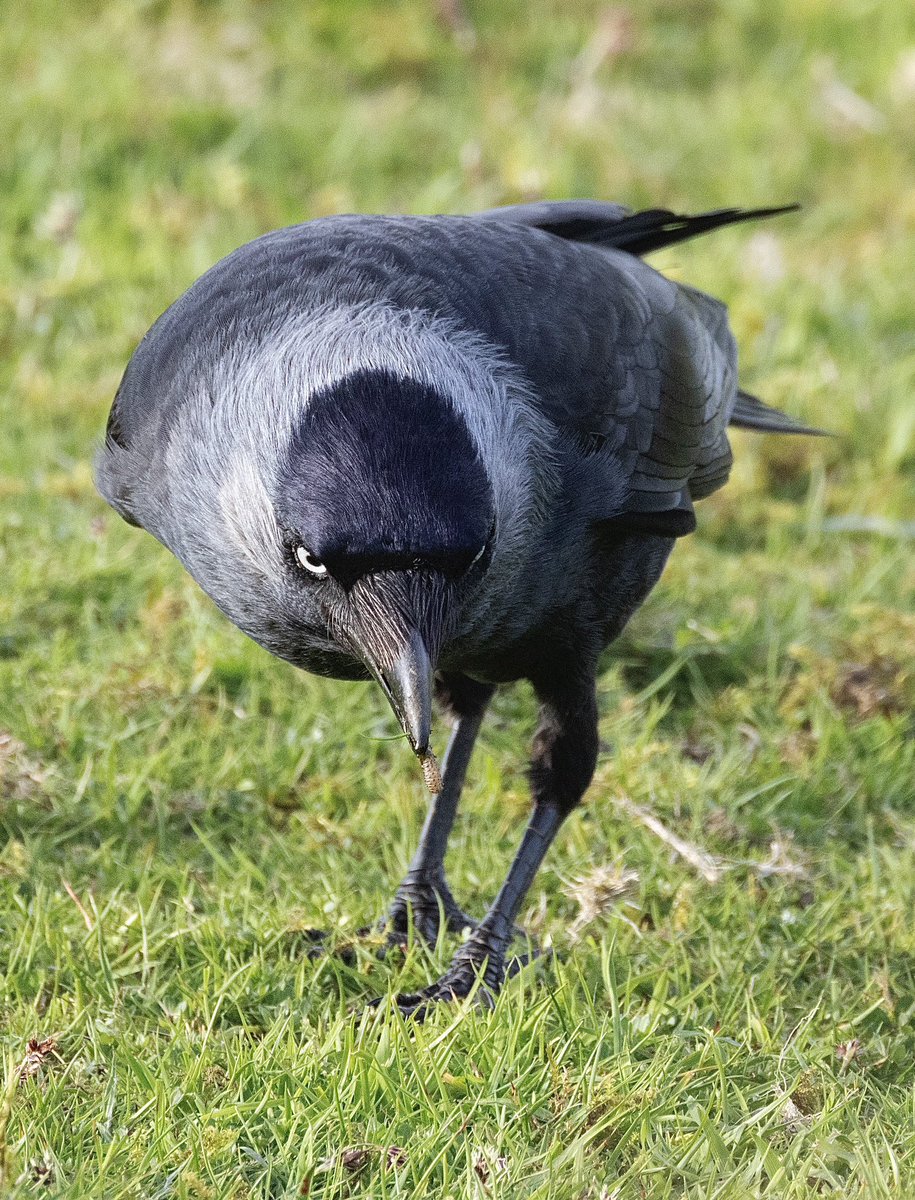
(424, 898)
(562, 764)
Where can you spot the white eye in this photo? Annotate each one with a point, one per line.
(312, 565)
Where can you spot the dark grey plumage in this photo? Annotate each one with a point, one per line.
(485, 431)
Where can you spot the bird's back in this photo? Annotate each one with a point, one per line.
(617, 358)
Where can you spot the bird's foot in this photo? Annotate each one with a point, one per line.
(425, 905)
(422, 905)
(474, 971)
(478, 970)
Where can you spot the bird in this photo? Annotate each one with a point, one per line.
(446, 453)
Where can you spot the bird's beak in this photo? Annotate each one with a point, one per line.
(407, 683)
(396, 624)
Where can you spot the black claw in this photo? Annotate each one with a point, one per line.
(317, 945)
(322, 942)
(317, 942)
(475, 972)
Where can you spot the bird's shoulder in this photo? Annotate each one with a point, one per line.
(632, 365)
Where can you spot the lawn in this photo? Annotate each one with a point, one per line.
(176, 809)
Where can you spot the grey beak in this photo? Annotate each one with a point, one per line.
(407, 683)
(396, 622)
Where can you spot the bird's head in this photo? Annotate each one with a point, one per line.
(387, 521)
(356, 492)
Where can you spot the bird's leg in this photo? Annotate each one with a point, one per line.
(562, 764)
(424, 899)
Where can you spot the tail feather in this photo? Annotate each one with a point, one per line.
(613, 225)
(654, 229)
(751, 413)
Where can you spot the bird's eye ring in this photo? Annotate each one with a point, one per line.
(312, 565)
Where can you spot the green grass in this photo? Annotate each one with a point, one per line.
(176, 808)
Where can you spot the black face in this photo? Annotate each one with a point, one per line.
(382, 475)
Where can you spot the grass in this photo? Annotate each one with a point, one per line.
(176, 809)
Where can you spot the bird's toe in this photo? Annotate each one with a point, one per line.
(416, 1006)
(468, 977)
(321, 942)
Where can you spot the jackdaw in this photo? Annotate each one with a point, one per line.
(445, 453)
